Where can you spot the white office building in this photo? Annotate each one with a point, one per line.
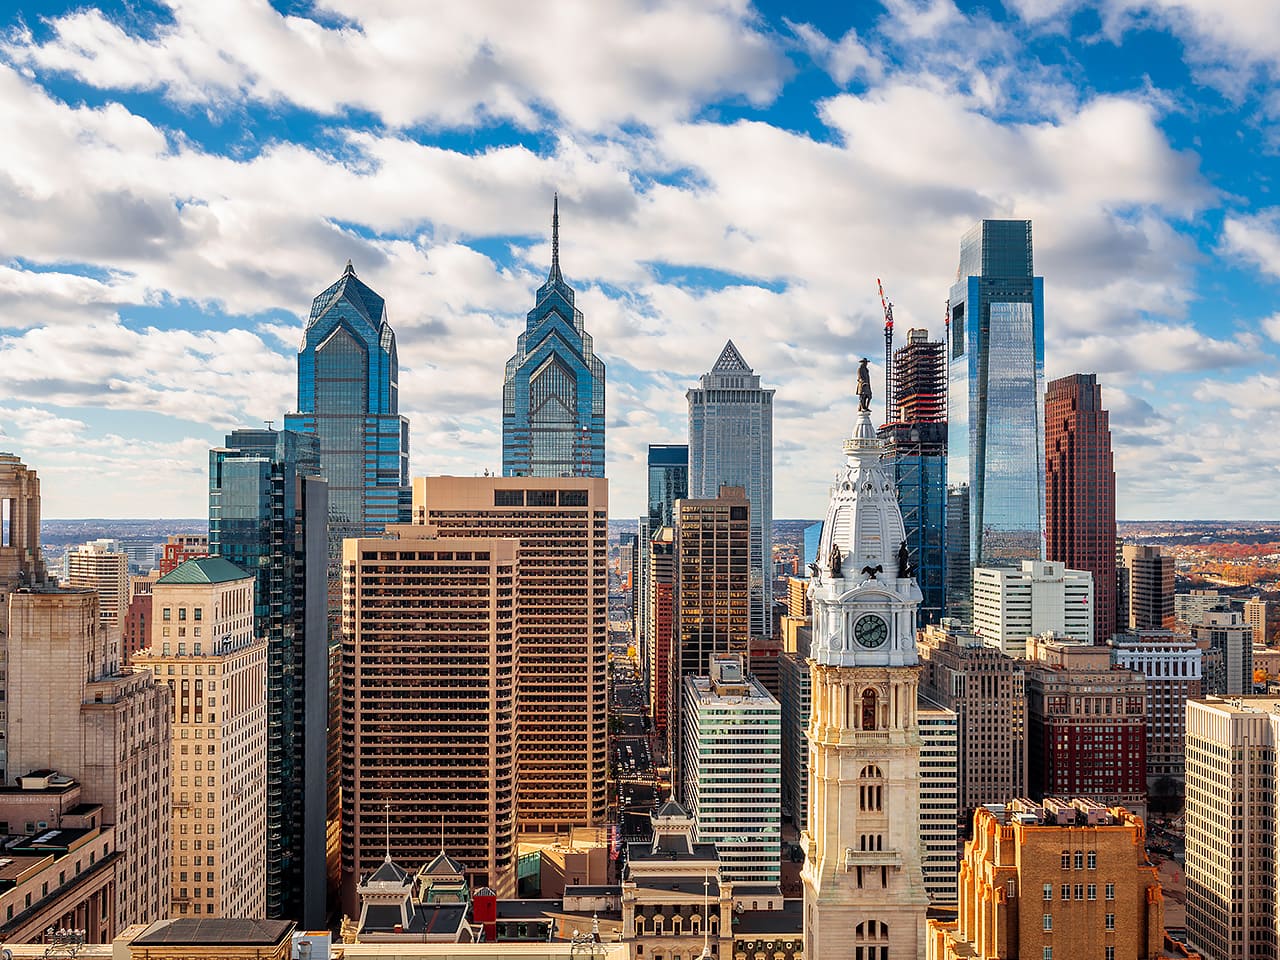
(732, 770)
(1042, 596)
(939, 786)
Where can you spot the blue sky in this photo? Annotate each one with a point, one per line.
(179, 179)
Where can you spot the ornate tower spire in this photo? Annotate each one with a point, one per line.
(554, 275)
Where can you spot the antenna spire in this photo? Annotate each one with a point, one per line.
(555, 237)
(706, 918)
(387, 807)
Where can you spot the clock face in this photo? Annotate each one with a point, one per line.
(871, 631)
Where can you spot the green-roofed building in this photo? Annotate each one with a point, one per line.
(205, 570)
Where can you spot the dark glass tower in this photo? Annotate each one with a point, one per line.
(349, 397)
(268, 510)
(553, 390)
(915, 444)
(995, 428)
(668, 482)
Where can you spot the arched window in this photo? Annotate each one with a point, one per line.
(872, 941)
(869, 701)
(871, 794)
(657, 926)
(677, 926)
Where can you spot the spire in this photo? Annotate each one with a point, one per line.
(554, 275)
(350, 271)
(386, 807)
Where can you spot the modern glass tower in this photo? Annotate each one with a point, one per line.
(553, 390)
(995, 435)
(731, 444)
(668, 482)
(349, 397)
(268, 512)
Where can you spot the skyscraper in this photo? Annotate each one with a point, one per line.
(103, 566)
(995, 425)
(916, 446)
(268, 514)
(553, 389)
(430, 633)
(349, 397)
(668, 482)
(1080, 490)
(1149, 575)
(561, 697)
(731, 444)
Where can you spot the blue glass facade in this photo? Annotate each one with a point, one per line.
(731, 442)
(268, 510)
(995, 471)
(348, 396)
(668, 482)
(553, 388)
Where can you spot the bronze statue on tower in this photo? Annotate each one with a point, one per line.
(864, 387)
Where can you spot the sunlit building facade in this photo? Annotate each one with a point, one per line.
(553, 389)
(731, 444)
(349, 397)
(995, 436)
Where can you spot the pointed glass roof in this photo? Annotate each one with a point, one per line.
(731, 360)
(356, 292)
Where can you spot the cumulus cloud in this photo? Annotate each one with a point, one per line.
(444, 64)
(1254, 238)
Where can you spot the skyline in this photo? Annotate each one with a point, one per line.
(179, 196)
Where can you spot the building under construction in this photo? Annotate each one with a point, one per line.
(915, 439)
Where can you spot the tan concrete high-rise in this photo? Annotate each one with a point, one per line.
(1264, 617)
(203, 647)
(561, 696)
(1064, 881)
(1231, 826)
(430, 632)
(987, 690)
(72, 707)
(102, 565)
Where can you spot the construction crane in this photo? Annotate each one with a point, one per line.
(887, 307)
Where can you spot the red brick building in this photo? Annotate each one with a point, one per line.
(181, 547)
(1086, 725)
(1080, 490)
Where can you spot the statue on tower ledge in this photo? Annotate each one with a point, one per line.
(864, 386)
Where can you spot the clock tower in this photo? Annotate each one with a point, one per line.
(864, 894)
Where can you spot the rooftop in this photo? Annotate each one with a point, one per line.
(215, 932)
(204, 570)
(1058, 812)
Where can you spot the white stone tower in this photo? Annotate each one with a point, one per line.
(864, 893)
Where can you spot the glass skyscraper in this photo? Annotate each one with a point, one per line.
(668, 482)
(995, 436)
(731, 443)
(349, 397)
(553, 390)
(268, 510)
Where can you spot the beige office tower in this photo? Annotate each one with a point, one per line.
(987, 689)
(430, 629)
(1231, 826)
(562, 708)
(102, 565)
(864, 888)
(73, 708)
(939, 772)
(1264, 617)
(713, 596)
(203, 647)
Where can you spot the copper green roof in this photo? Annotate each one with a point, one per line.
(205, 570)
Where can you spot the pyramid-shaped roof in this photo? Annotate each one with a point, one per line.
(444, 865)
(205, 570)
(389, 872)
(354, 291)
(731, 360)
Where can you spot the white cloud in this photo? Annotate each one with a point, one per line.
(595, 65)
(1271, 327)
(1254, 238)
(845, 59)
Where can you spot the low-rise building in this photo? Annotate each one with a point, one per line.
(1062, 880)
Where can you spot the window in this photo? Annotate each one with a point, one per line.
(868, 709)
(1066, 859)
(1047, 953)
(1093, 891)
(1079, 859)
(1066, 891)
(167, 614)
(1048, 891)
(1093, 859)
(1111, 921)
(1111, 891)
(1048, 921)
(199, 613)
(1110, 953)
(1079, 891)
